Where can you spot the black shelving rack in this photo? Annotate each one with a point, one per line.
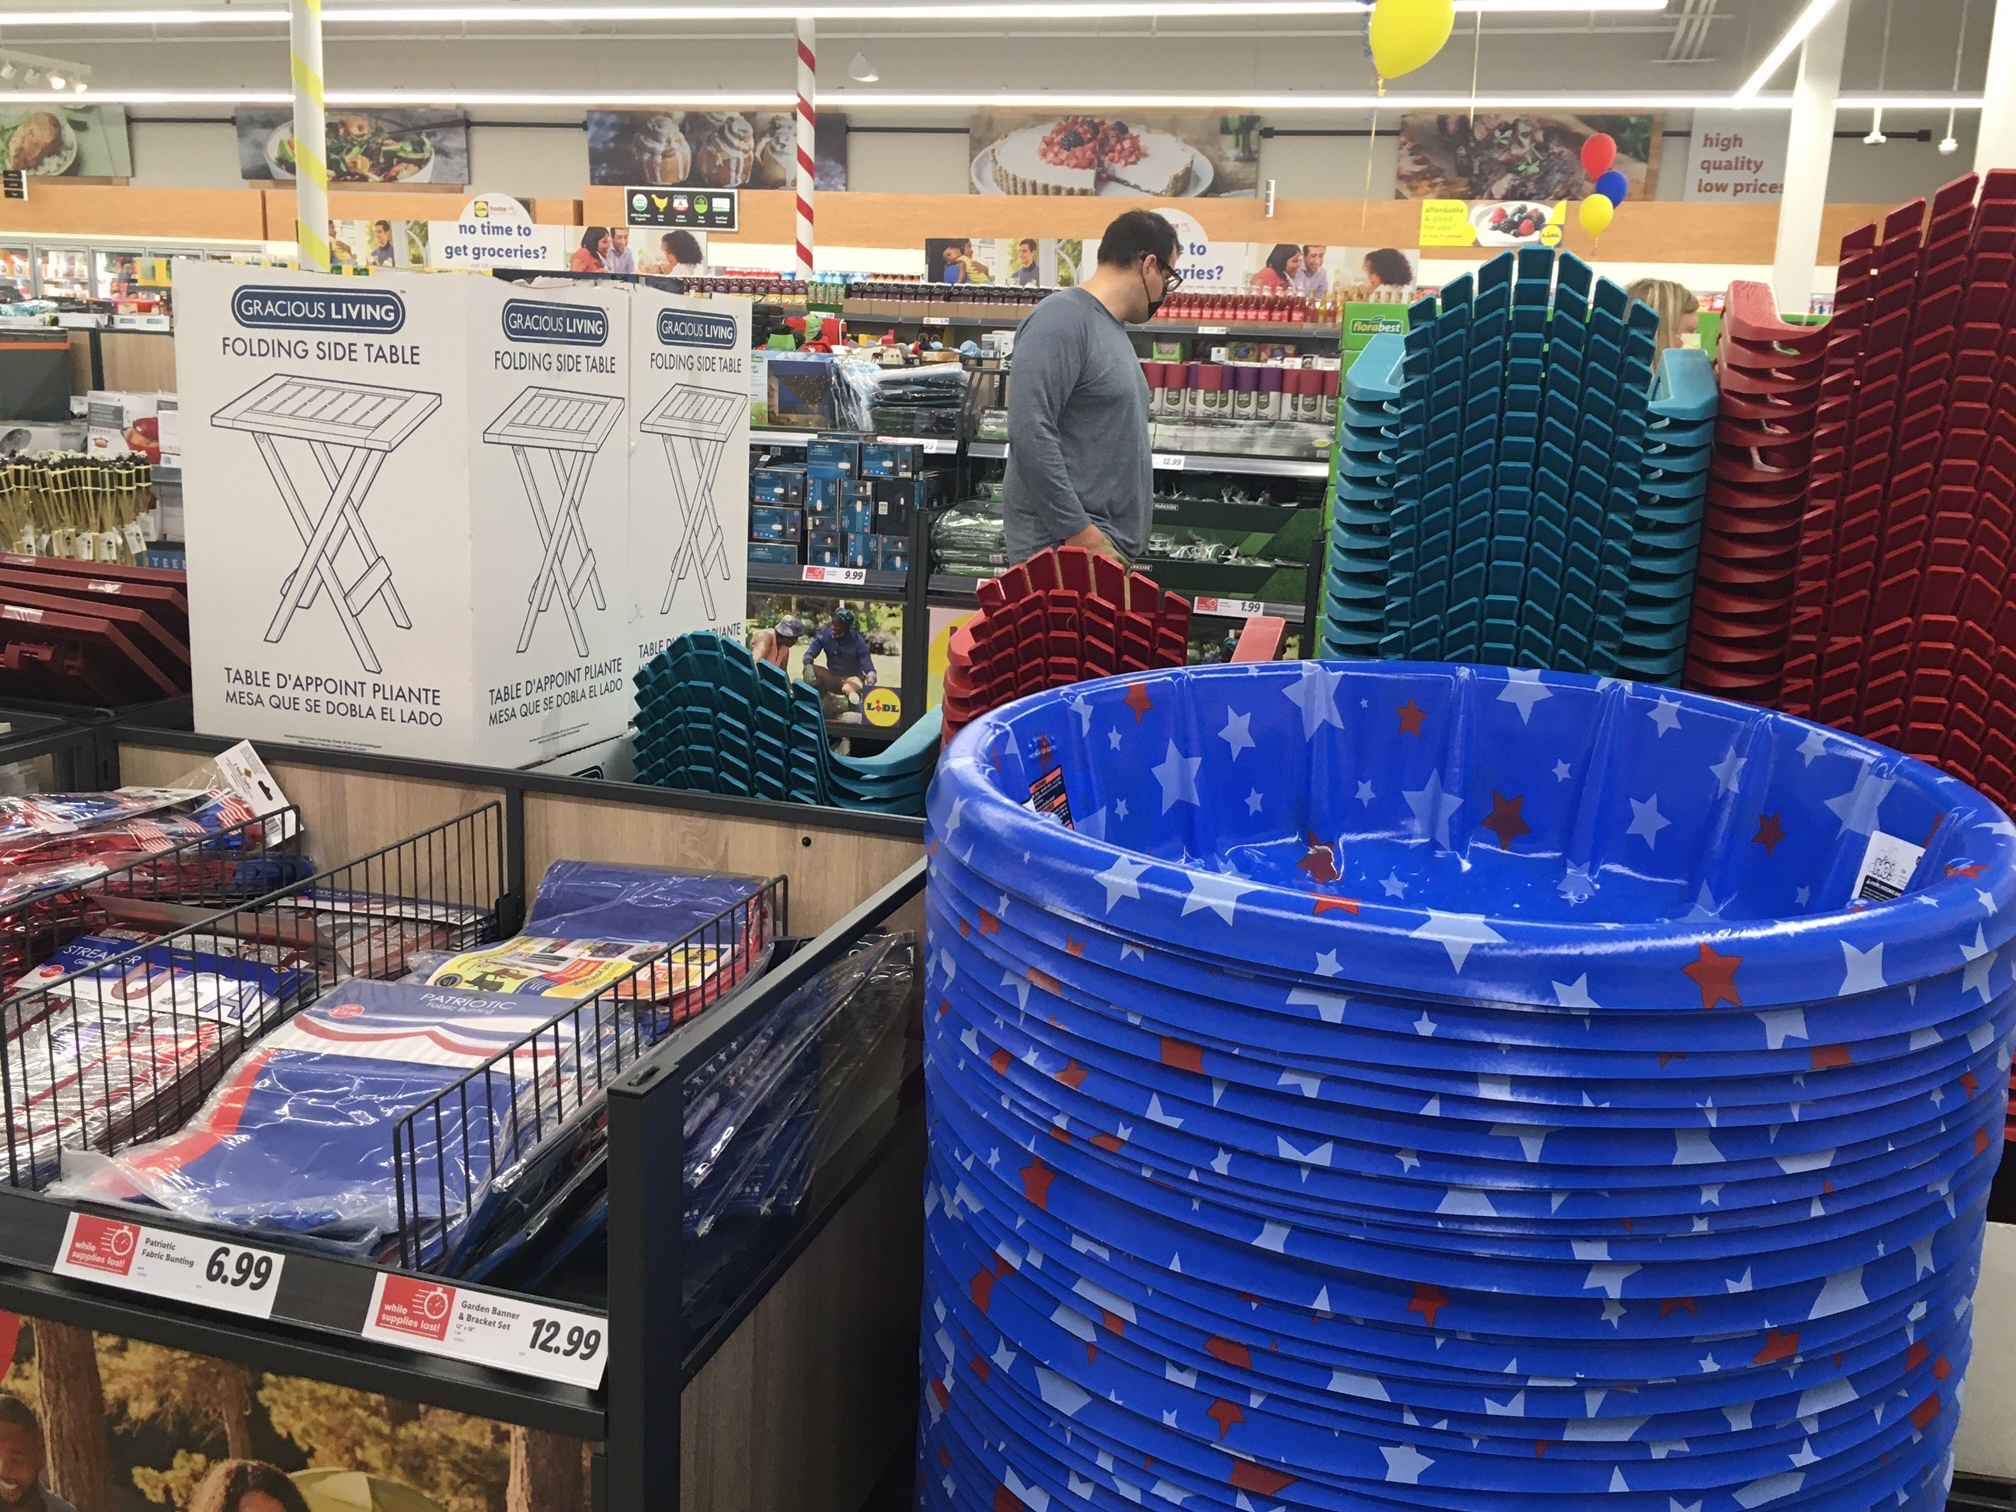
(324, 1316)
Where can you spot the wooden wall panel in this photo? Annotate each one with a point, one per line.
(804, 1405)
(1645, 230)
(84, 210)
(831, 870)
(138, 362)
(347, 814)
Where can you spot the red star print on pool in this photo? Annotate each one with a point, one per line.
(1428, 1301)
(1411, 714)
(1248, 1476)
(1138, 700)
(1224, 1414)
(1769, 833)
(1331, 904)
(1320, 863)
(1036, 1179)
(1507, 821)
(1715, 975)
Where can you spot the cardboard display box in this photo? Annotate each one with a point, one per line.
(409, 510)
(689, 467)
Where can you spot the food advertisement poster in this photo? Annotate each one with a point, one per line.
(1030, 262)
(86, 141)
(1359, 275)
(364, 146)
(1517, 160)
(1170, 155)
(713, 149)
(1737, 157)
(101, 1421)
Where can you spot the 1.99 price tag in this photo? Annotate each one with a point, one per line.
(180, 1267)
(531, 1338)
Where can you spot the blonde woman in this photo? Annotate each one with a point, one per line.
(1678, 310)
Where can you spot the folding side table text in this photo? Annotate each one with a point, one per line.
(349, 428)
(703, 419)
(568, 430)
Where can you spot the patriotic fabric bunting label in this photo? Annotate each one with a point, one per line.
(1425, 1087)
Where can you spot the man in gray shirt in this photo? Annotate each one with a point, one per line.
(1078, 457)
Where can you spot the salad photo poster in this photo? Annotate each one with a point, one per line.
(364, 146)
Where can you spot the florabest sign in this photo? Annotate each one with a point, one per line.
(496, 231)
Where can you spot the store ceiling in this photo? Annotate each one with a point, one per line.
(569, 51)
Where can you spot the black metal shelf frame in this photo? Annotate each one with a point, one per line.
(323, 1300)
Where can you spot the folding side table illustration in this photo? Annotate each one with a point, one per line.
(349, 429)
(569, 429)
(704, 419)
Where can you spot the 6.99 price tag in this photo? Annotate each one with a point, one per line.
(531, 1338)
(181, 1267)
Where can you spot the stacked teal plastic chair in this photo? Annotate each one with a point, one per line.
(713, 719)
(1512, 488)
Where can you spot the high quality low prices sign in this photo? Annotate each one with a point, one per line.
(495, 231)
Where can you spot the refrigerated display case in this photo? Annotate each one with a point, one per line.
(17, 274)
(118, 274)
(64, 272)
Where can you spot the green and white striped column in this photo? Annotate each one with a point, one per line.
(311, 162)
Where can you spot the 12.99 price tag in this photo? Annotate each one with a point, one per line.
(531, 1338)
(180, 1267)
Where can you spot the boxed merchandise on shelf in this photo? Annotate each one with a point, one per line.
(461, 524)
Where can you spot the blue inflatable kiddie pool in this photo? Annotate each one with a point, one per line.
(1392, 1086)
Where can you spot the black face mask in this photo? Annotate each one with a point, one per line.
(1156, 303)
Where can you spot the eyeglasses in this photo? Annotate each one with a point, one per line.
(1171, 279)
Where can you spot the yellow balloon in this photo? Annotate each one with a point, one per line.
(1408, 33)
(1597, 213)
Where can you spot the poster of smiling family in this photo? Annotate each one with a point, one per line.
(1362, 275)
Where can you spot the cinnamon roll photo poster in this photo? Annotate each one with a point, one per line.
(711, 149)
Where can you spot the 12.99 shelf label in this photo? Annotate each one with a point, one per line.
(181, 1267)
(482, 1328)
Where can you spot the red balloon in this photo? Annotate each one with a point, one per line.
(1598, 153)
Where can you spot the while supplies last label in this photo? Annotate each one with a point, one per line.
(180, 1267)
(531, 1338)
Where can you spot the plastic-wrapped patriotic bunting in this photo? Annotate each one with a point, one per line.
(1411, 1086)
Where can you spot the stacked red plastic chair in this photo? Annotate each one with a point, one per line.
(1061, 617)
(1770, 376)
(1907, 628)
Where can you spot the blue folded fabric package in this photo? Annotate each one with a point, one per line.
(1403, 1086)
(599, 900)
(298, 1139)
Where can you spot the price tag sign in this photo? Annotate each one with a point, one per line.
(181, 1267)
(1230, 608)
(1173, 461)
(936, 320)
(531, 1338)
(853, 577)
(1204, 330)
(940, 446)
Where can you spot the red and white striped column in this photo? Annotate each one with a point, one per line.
(808, 120)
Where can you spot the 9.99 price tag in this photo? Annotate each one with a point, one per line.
(531, 1338)
(182, 1267)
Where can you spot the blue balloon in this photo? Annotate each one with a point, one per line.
(1613, 186)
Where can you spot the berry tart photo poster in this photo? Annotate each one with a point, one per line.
(712, 149)
(1161, 155)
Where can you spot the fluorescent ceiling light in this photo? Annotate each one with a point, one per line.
(1815, 12)
(829, 10)
(1031, 100)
